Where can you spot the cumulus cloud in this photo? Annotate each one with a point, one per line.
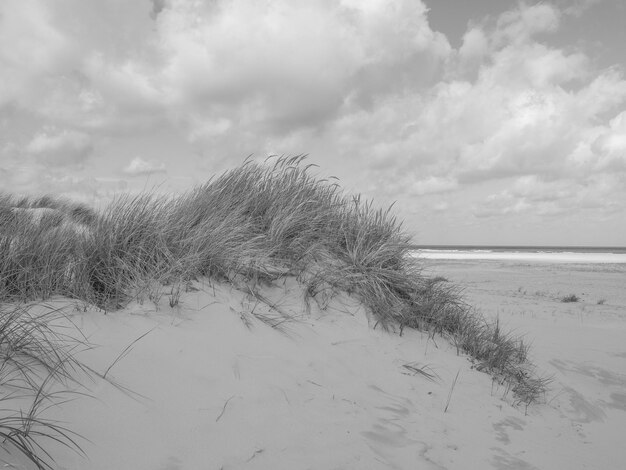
(433, 184)
(60, 147)
(30, 48)
(139, 167)
(526, 111)
(533, 195)
(280, 66)
(578, 7)
(508, 122)
(277, 65)
(610, 146)
(501, 204)
(474, 48)
(521, 24)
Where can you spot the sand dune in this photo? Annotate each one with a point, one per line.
(211, 386)
(241, 347)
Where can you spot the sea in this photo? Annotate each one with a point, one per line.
(545, 254)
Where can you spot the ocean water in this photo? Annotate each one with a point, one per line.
(545, 254)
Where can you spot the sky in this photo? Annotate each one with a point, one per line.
(484, 121)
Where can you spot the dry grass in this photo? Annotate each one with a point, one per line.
(255, 222)
(36, 363)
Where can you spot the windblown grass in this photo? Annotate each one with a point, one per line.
(255, 222)
(36, 362)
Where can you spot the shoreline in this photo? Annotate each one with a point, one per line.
(528, 256)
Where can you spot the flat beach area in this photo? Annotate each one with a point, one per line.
(581, 344)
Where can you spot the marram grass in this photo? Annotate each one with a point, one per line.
(36, 363)
(255, 222)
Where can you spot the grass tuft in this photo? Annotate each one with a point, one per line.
(36, 363)
(570, 298)
(249, 226)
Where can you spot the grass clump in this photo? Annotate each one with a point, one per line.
(570, 298)
(253, 223)
(36, 363)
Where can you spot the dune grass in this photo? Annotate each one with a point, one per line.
(570, 298)
(36, 362)
(256, 222)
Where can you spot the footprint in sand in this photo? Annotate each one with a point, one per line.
(618, 401)
(387, 431)
(505, 461)
(510, 422)
(389, 434)
(584, 411)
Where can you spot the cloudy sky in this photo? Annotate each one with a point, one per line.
(487, 121)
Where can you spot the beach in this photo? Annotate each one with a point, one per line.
(581, 345)
(324, 235)
(211, 386)
(266, 320)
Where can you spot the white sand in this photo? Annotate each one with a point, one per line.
(330, 392)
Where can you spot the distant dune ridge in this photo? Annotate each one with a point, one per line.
(17, 220)
(32, 225)
(249, 227)
(47, 212)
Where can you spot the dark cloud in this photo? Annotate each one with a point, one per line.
(157, 7)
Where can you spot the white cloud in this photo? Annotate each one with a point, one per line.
(441, 206)
(505, 109)
(202, 128)
(284, 65)
(610, 146)
(366, 87)
(60, 147)
(30, 49)
(433, 185)
(578, 7)
(536, 189)
(531, 195)
(138, 167)
(276, 65)
(500, 205)
(521, 24)
(518, 116)
(474, 47)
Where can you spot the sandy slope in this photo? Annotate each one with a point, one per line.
(582, 345)
(215, 388)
